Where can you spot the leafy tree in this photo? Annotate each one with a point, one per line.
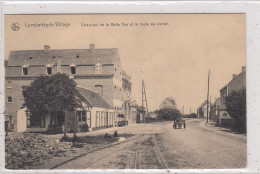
(169, 114)
(50, 94)
(236, 103)
(236, 107)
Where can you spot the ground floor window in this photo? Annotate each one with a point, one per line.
(111, 118)
(35, 120)
(54, 119)
(82, 119)
(97, 118)
(101, 120)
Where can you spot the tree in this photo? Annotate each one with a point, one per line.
(50, 95)
(236, 103)
(169, 114)
(236, 107)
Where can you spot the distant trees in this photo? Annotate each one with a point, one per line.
(169, 114)
(192, 115)
(236, 107)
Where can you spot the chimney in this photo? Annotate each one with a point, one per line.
(59, 65)
(243, 69)
(46, 48)
(234, 75)
(92, 48)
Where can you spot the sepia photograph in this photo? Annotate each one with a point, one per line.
(125, 91)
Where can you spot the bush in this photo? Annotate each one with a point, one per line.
(169, 114)
(192, 115)
(84, 128)
(54, 129)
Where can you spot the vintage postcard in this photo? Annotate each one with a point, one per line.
(125, 91)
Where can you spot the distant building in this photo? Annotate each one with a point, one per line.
(168, 103)
(215, 109)
(202, 110)
(98, 70)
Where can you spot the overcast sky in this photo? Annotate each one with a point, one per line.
(173, 60)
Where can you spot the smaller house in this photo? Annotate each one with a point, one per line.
(168, 103)
(94, 112)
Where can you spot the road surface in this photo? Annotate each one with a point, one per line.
(159, 146)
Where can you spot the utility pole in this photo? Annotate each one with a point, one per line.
(208, 98)
(190, 110)
(183, 110)
(209, 108)
(144, 100)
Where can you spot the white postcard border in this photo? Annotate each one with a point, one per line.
(250, 8)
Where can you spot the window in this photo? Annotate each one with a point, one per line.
(73, 69)
(99, 89)
(102, 117)
(49, 70)
(97, 115)
(98, 68)
(23, 91)
(82, 117)
(25, 71)
(9, 99)
(9, 84)
(54, 120)
(35, 121)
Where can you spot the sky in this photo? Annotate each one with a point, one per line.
(172, 59)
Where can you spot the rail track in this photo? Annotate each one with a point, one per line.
(116, 151)
(136, 155)
(87, 153)
(139, 149)
(138, 152)
(159, 153)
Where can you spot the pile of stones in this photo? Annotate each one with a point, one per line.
(32, 149)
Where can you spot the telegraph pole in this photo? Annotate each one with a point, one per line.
(210, 108)
(144, 100)
(208, 98)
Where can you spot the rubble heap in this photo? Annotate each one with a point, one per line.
(31, 149)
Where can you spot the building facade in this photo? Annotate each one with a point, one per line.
(238, 82)
(98, 70)
(168, 103)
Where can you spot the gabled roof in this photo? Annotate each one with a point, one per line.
(67, 56)
(94, 99)
(172, 101)
(225, 87)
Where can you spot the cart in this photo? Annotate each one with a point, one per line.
(179, 124)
